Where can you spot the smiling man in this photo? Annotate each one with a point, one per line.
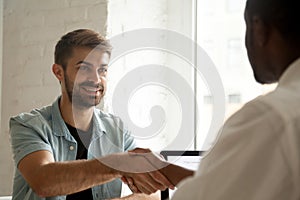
(57, 149)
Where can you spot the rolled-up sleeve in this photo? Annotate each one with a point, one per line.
(25, 140)
(129, 141)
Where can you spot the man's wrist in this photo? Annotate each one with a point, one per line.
(108, 169)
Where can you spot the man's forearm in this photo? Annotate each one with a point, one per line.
(61, 178)
(176, 173)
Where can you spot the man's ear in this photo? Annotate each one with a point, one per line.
(260, 31)
(58, 71)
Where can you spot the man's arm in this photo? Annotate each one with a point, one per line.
(176, 173)
(49, 178)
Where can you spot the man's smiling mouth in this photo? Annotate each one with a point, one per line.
(93, 90)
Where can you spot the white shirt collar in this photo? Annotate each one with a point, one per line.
(291, 74)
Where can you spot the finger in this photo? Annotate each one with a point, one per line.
(144, 188)
(131, 185)
(124, 180)
(162, 180)
(134, 189)
(130, 181)
(144, 182)
(155, 183)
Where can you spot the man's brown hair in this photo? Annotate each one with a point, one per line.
(79, 38)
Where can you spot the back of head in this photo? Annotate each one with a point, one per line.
(79, 38)
(283, 15)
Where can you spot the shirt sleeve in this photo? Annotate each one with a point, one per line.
(241, 163)
(129, 141)
(25, 140)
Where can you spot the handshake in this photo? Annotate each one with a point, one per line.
(145, 171)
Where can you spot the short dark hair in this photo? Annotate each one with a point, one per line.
(284, 15)
(79, 38)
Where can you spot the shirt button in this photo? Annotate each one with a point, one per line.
(71, 148)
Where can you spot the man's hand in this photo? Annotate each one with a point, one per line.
(157, 162)
(147, 183)
(172, 172)
(129, 182)
(140, 169)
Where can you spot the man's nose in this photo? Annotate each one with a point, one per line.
(95, 77)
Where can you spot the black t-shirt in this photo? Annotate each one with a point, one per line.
(83, 139)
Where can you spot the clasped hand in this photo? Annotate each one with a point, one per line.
(140, 170)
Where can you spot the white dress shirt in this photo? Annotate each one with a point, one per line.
(257, 154)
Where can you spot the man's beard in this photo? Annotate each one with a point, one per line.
(80, 100)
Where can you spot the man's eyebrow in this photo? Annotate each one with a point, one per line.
(84, 62)
(90, 64)
(104, 65)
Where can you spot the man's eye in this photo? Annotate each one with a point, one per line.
(102, 70)
(83, 67)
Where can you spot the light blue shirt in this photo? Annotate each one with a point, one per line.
(44, 129)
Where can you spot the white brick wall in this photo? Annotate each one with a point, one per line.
(30, 30)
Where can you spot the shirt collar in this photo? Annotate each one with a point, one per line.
(99, 127)
(60, 128)
(291, 74)
(58, 124)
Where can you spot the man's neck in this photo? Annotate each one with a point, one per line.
(78, 117)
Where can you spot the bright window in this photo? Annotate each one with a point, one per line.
(218, 28)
